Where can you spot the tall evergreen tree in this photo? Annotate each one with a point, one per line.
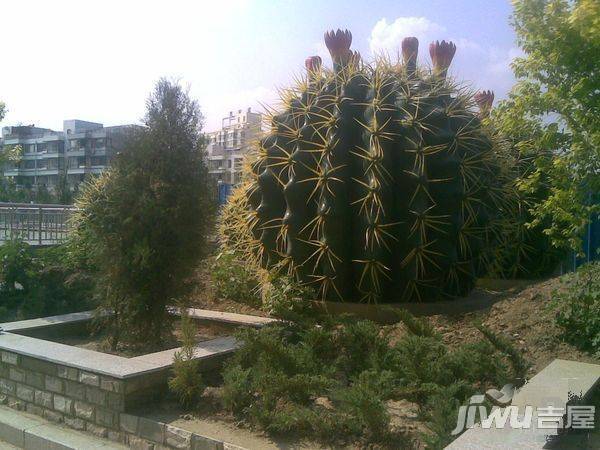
(143, 224)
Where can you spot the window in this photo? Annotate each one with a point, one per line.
(229, 164)
(98, 161)
(77, 144)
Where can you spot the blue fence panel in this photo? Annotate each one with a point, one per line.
(591, 241)
(224, 190)
(591, 247)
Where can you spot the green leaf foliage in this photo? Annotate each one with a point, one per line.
(552, 116)
(40, 282)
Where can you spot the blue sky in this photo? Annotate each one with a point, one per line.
(99, 60)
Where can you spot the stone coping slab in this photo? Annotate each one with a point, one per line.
(44, 322)
(199, 314)
(232, 318)
(551, 386)
(104, 363)
(556, 382)
(113, 365)
(219, 346)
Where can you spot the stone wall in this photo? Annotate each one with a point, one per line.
(97, 392)
(91, 402)
(81, 400)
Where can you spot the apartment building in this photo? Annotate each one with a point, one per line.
(227, 147)
(80, 149)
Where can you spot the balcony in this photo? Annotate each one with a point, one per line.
(77, 170)
(47, 171)
(42, 155)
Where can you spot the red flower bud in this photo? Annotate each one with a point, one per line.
(312, 63)
(441, 55)
(338, 43)
(484, 100)
(410, 50)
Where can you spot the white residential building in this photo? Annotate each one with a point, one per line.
(82, 148)
(227, 147)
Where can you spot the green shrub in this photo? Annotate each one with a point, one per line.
(143, 223)
(286, 299)
(577, 304)
(234, 280)
(40, 282)
(187, 383)
(285, 373)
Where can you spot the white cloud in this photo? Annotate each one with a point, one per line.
(499, 60)
(477, 65)
(387, 37)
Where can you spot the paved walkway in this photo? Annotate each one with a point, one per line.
(7, 446)
(27, 431)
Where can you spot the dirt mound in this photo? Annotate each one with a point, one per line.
(524, 316)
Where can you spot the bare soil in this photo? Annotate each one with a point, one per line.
(524, 316)
(211, 421)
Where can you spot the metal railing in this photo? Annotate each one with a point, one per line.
(36, 224)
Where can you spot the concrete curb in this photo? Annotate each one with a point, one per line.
(34, 433)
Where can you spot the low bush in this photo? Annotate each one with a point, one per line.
(234, 280)
(282, 297)
(331, 378)
(187, 383)
(40, 282)
(577, 305)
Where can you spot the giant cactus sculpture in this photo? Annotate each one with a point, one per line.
(377, 183)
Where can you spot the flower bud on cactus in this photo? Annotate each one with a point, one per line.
(338, 43)
(484, 100)
(410, 50)
(354, 58)
(441, 56)
(374, 185)
(313, 63)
